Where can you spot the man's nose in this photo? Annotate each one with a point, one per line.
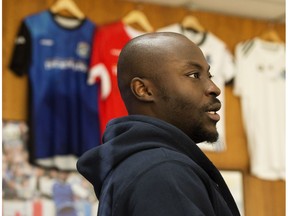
(213, 89)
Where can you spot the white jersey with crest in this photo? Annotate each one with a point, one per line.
(260, 83)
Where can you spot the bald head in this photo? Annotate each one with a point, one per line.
(145, 52)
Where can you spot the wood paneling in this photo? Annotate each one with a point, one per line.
(262, 198)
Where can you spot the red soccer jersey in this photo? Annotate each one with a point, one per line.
(107, 44)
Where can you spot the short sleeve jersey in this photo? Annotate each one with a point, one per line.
(260, 83)
(63, 113)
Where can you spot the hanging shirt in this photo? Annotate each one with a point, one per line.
(107, 45)
(260, 83)
(221, 67)
(63, 114)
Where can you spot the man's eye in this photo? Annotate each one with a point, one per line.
(194, 75)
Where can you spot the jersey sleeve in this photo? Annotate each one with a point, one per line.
(96, 58)
(238, 81)
(228, 66)
(21, 56)
(98, 71)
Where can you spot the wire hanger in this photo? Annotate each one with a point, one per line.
(61, 6)
(138, 17)
(191, 22)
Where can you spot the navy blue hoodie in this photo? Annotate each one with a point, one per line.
(147, 167)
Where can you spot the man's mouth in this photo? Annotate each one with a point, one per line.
(212, 112)
(213, 115)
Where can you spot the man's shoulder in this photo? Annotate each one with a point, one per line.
(157, 161)
(155, 156)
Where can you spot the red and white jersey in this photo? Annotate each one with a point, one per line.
(222, 68)
(108, 42)
(260, 83)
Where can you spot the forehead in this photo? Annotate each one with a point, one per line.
(186, 56)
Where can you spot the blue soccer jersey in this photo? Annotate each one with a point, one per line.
(63, 112)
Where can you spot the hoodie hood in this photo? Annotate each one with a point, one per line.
(131, 134)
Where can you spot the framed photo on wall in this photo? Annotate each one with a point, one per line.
(234, 180)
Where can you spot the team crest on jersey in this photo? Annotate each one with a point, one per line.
(83, 49)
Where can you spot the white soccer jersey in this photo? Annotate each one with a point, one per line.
(260, 82)
(222, 68)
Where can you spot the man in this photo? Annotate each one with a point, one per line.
(149, 164)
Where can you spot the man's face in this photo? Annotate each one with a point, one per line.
(186, 95)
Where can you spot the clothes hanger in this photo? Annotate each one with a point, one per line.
(138, 17)
(191, 22)
(67, 6)
(271, 35)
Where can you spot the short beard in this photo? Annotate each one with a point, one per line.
(198, 133)
(204, 136)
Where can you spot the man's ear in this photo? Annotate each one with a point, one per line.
(141, 88)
